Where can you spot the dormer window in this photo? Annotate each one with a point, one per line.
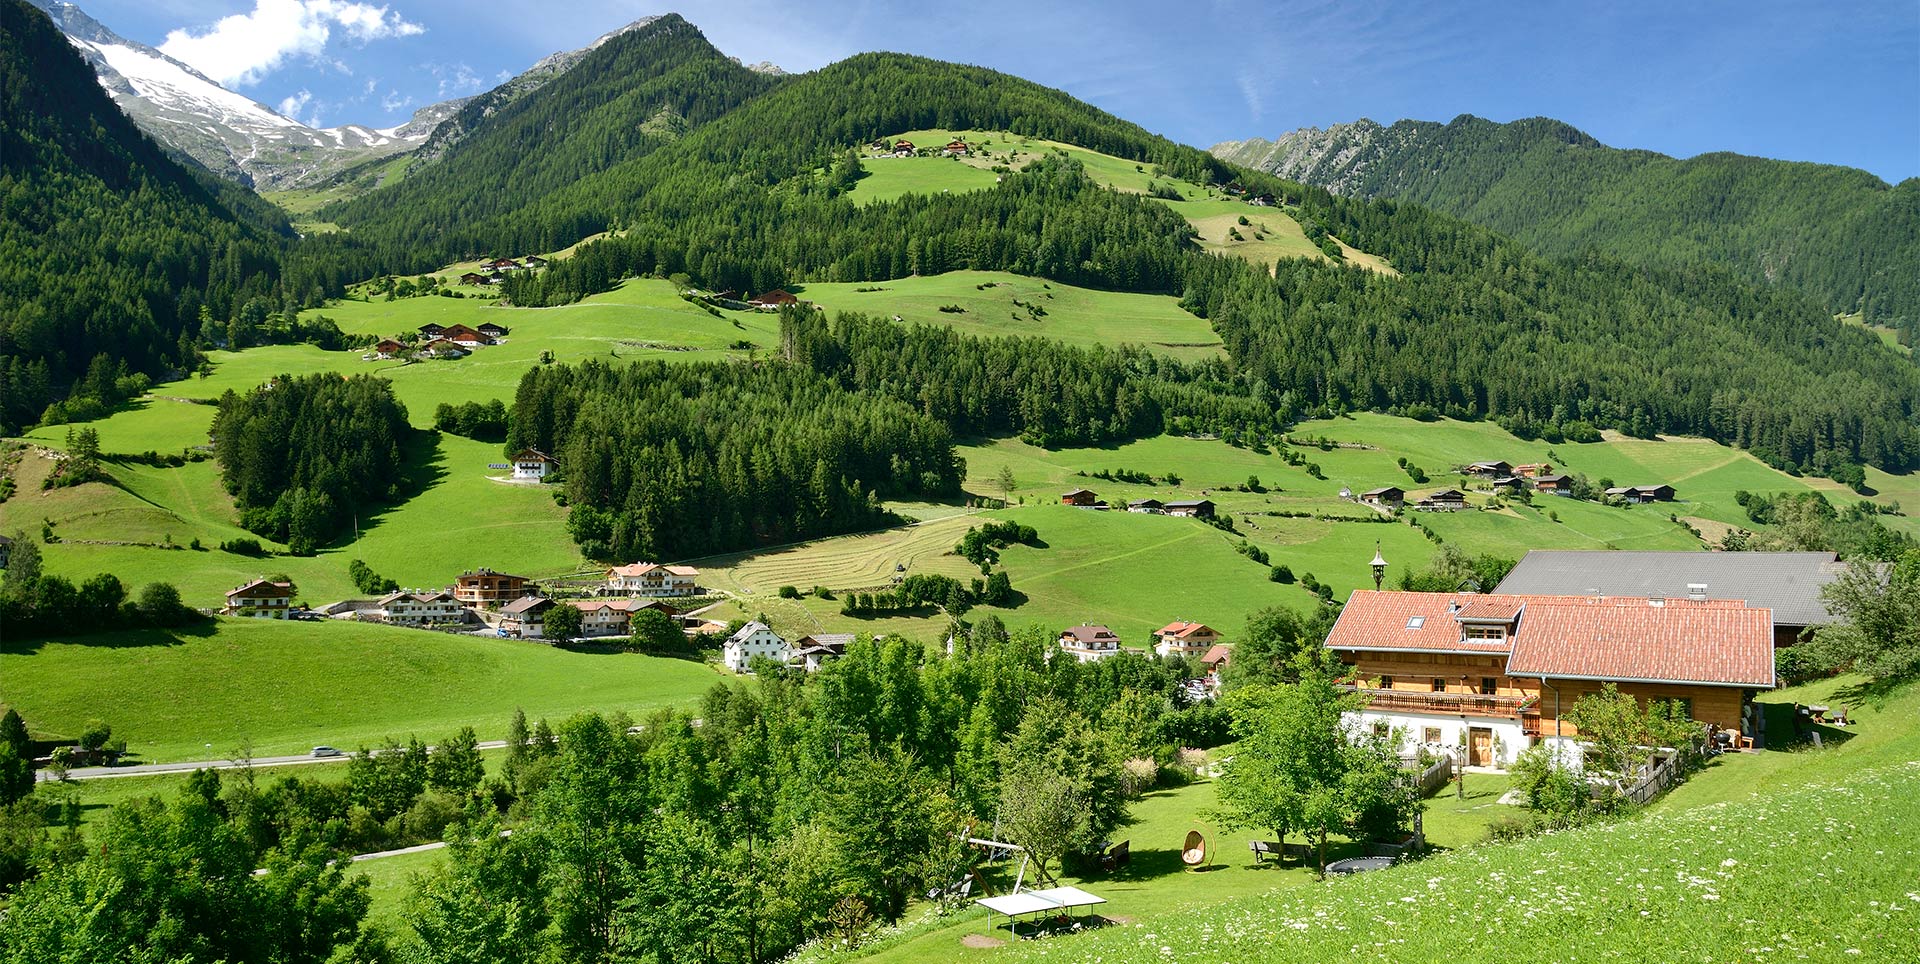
(1486, 632)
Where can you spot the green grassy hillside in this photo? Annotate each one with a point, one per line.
(284, 687)
(1077, 316)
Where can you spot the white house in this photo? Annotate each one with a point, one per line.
(809, 652)
(423, 608)
(1089, 643)
(653, 579)
(525, 617)
(533, 465)
(260, 599)
(754, 640)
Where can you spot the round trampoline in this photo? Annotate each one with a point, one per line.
(1359, 865)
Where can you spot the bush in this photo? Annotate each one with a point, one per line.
(789, 592)
(244, 546)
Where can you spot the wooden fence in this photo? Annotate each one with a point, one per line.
(1435, 776)
(1665, 772)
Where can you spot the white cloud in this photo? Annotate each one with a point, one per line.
(243, 48)
(456, 79)
(294, 103)
(1250, 90)
(394, 101)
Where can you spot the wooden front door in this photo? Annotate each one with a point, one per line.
(1480, 752)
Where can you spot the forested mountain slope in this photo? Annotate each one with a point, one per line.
(631, 93)
(1840, 234)
(109, 250)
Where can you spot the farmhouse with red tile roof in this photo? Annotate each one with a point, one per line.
(1492, 674)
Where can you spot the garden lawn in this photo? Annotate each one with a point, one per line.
(283, 687)
(1157, 885)
(1076, 316)
(1818, 872)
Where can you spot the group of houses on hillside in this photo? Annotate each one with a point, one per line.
(495, 271)
(1507, 478)
(440, 342)
(733, 300)
(1186, 508)
(509, 604)
(1485, 676)
(905, 148)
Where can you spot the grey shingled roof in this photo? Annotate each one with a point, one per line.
(1788, 583)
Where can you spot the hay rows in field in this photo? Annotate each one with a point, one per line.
(862, 560)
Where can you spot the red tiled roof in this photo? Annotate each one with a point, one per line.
(1217, 654)
(1625, 638)
(1183, 630)
(1680, 641)
(1415, 621)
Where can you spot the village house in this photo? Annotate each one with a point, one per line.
(1195, 509)
(955, 148)
(525, 617)
(1487, 676)
(1216, 659)
(502, 264)
(388, 348)
(484, 587)
(903, 148)
(1386, 497)
(773, 300)
(1184, 639)
(493, 331)
(533, 261)
(431, 330)
(752, 641)
(465, 337)
(1553, 484)
(1510, 484)
(1150, 506)
(442, 348)
(478, 280)
(1641, 494)
(532, 465)
(260, 599)
(1787, 583)
(1089, 643)
(652, 579)
(1445, 500)
(419, 609)
(1533, 470)
(1490, 470)
(809, 652)
(608, 617)
(1079, 497)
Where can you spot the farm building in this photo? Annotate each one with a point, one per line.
(1079, 497)
(1490, 675)
(1533, 470)
(1554, 484)
(388, 348)
(1787, 583)
(1152, 506)
(464, 336)
(260, 599)
(1445, 500)
(1184, 639)
(809, 652)
(772, 300)
(1490, 470)
(652, 579)
(442, 348)
(1642, 494)
(533, 465)
(1195, 509)
(484, 587)
(431, 330)
(1089, 643)
(1386, 497)
(478, 280)
(493, 331)
(752, 641)
(955, 148)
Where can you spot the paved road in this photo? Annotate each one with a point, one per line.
(149, 769)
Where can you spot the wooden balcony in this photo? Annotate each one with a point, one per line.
(1442, 704)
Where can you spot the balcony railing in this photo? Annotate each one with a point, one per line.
(1444, 704)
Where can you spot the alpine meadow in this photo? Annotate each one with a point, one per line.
(651, 507)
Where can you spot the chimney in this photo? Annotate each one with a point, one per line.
(1697, 591)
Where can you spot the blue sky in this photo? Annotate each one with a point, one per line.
(1836, 81)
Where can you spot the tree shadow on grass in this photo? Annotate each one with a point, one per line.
(28, 644)
(423, 465)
